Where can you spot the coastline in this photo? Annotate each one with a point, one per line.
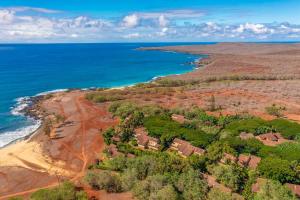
(26, 111)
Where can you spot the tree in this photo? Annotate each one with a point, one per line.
(277, 169)
(273, 190)
(216, 194)
(166, 193)
(216, 151)
(107, 135)
(104, 180)
(191, 185)
(128, 179)
(232, 176)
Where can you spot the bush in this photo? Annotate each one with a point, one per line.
(275, 110)
(274, 190)
(232, 176)
(104, 181)
(108, 134)
(216, 194)
(277, 169)
(66, 191)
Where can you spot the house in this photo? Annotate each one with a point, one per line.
(271, 139)
(185, 149)
(254, 161)
(112, 150)
(144, 141)
(153, 143)
(198, 151)
(228, 158)
(116, 138)
(212, 183)
(246, 136)
(295, 188)
(179, 118)
(248, 161)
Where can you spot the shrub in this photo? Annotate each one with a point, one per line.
(108, 134)
(232, 176)
(274, 190)
(104, 180)
(65, 191)
(245, 125)
(216, 194)
(277, 169)
(275, 110)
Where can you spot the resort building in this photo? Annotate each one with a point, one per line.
(248, 161)
(112, 151)
(144, 141)
(228, 158)
(271, 139)
(295, 188)
(185, 149)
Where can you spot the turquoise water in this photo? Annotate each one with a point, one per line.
(27, 70)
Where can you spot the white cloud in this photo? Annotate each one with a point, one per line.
(130, 21)
(162, 21)
(6, 16)
(19, 26)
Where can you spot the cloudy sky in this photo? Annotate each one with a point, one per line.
(26, 21)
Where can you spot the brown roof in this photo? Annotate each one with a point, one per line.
(257, 185)
(270, 136)
(186, 149)
(140, 131)
(178, 118)
(244, 160)
(113, 151)
(295, 188)
(198, 150)
(116, 138)
(228, 157)
(254, 161)
(142, 140)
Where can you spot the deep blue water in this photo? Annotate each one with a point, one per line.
(26, 70)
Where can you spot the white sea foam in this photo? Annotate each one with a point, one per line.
(51, 91)
(9, 136)
(21, 104)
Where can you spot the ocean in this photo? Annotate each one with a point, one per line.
(31, 69)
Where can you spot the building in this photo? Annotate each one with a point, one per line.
(112, 151)
(144, 141)
(228, 158)
(295, 188)
(248, 161)
(271, 139)
(185, 149)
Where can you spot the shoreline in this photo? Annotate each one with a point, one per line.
(36, 98)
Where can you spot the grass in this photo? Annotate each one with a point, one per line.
(245, 125)
(288, 129)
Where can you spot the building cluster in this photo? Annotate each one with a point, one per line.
(145, 141)
(185, 149)
(243, 160)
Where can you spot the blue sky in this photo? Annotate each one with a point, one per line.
(149, 20)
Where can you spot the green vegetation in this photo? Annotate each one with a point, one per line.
(288, 129)
(167, 129)
(66, 191)
(154, 176)
(275, 110)
(274, 190)
(233, 176)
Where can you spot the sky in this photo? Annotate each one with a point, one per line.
(55, 21)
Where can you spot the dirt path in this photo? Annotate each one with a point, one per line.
(66, 157)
